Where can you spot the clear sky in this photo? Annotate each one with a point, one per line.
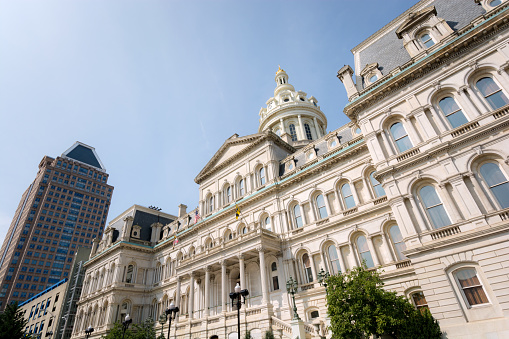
(158, 86)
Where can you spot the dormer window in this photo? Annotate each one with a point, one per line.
(302, 99)
(371, 73)
(286, 100)
(427, 40)
(373, 78)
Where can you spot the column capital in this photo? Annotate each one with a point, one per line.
(179, 279)
(193, 274)
(241, 256)
(222, 262)
(208, 269)
(261, 249)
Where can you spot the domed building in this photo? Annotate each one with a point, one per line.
(291, 115)
(414, 186)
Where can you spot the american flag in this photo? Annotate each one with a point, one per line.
(176, 241)
(196, 216)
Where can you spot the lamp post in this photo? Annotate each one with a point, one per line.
(125, 324)
(49, 333)
(322, 279)
(291, 287)
(89, 331)
(162, 320)
(237, 296)
(171, 313)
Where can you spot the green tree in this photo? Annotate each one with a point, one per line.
(145, 330)
(358, 307)
(269, 335)
(12, 323)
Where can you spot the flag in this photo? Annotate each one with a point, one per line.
(237, 212)
(176, 241)
(196, 216)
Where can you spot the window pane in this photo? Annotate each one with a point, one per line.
(497, 100)
(308, 132)
(448, 105)
(349, 202)
(262, 176)
(321, 206)
(395, 234)
(438, 216)
(267, 223)
(369, 260)
(429, 196)
(397, 130)
(345, 189)
(501, 193)
(404, 144)
(334, 260)
(362, 244)
(457, 119)
(487, 86)
(492, 174)
(471, 286)
(377, 187)
(293, 133)
(397, 239)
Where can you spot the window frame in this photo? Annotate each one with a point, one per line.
(361, 258)
(395, 141)
(497, 83)
(423, 42)
(487, 186)
(394, 243)
(262, 176)
(447, 115)
(373, 186)
(293, 133)
(426, 208)
(319, 208)
(461, 289)
(344, 198)
(295, 218)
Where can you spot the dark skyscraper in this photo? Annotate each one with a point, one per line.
(64, 208)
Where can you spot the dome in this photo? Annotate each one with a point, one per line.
(291, 114)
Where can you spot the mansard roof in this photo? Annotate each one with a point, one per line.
(85, 154)
(235, 147)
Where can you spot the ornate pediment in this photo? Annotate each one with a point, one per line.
(234, 148)
(369, 68)
(414, 19)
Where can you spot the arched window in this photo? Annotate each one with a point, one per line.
(497, 182)
(434, 207)
(320, 204)
(228, 194)
(470, 286)
(293, 133)
(452, 112)
(228, 236)
(400, 137)
(297, 216)
(492, 92)
(274, 275)
(397, 241)
(244, 230)
(419, 301)
(242, 190)
(377, 187)
(261, 172)
(129, 274)
(211, 203)
(334, 259)
(308, 132)
(365, 254)
(347, 194)
(427, 40)
(308, 272)
(267, 224)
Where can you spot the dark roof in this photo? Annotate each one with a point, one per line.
(85, 155)
(389, 51)
(145, 220)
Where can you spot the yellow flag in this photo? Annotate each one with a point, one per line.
(237, 212)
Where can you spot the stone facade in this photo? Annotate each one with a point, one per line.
(415, 185)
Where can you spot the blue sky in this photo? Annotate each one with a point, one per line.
(158, 86)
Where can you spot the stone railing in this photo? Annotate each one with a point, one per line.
(309, 329)
(350, 211)
(464, 129)
(380, 200)
(445, 232)
(408, 154)
(501, 112)
(504, 215)
(278, 323)
(403, 264)
(307, 287)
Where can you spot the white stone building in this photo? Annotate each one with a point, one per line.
(416, 184)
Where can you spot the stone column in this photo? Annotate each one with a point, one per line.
(421, 223)
(477, 102)
(389, 248)
(341, 260)
(373, 251)
(442, 127)
(282, 126)
(470, 111)
(354, 254)
(224, 292)
(242, 272)
(263, 273)
(450, 206)
(423, 120)
(191, 296)
(313, 268)
(387, 143)
(177, 296)
(354, 192)
(412, 132)
(317, 128)
(301, 128)
(207, 293)
(478, 190)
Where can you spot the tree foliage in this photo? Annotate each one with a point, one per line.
(358, 307)
(12, 323)
(145, 330)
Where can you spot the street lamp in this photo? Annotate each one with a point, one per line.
(171, 313)
(291, 287)
(322, 279)
(236, 296)
(89, 331)
(162, 320)
(49, 333)
(125, 324)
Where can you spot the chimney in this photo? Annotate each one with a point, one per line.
(182, 210)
